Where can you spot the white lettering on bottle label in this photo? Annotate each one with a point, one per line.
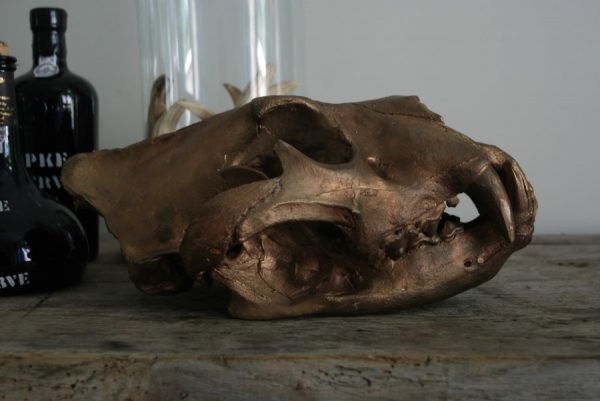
(47, 67)
(14, 280)
(48, 182)
(7, 109)
(25, 254)
(45, 160)
(4, 207)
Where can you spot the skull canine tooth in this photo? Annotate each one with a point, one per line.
(491, 199)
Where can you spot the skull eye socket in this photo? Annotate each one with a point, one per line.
(306, 128)
(322, 149)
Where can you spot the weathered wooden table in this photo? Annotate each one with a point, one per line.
(532, 333)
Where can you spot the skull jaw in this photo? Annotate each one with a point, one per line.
(426, 274)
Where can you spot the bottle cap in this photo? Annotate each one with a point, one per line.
(7, 63)
(48, 18)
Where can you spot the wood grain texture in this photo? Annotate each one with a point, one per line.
(531, 333)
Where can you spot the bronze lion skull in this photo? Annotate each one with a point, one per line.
(300, 207)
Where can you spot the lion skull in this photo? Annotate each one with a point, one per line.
(300, 207)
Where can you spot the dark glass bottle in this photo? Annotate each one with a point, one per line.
(42, 245)
(57, 113)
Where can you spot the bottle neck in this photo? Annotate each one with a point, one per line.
(10, 158)
(49, 47)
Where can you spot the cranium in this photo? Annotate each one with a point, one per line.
(300, 207)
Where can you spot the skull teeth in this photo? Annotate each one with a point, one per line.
(432, 232)
(449, 226)
(490, 197)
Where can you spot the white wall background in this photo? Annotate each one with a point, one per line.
(521, 74)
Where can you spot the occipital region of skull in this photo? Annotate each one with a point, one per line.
(300, 207)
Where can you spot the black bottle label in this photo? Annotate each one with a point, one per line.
(7, 111)
(45, 169)
(7, 104)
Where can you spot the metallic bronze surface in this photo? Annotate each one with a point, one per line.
(300, 207)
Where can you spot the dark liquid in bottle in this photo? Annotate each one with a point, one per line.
(57, 114)
(42, 245)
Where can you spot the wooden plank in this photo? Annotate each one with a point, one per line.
(112, 377)
(533, 332)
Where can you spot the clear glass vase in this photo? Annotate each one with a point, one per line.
(200, 57)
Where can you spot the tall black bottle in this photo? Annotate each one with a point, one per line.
(42, 244)
(58, 113)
